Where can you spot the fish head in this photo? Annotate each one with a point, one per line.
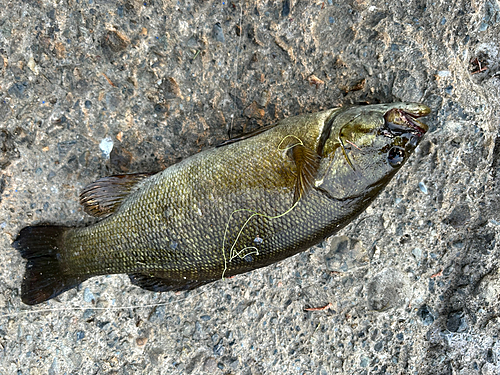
(367, 145)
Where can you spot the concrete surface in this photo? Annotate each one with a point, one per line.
(90, 88)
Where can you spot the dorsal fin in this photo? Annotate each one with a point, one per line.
(104, 196)
(245, 136)
(307, 162)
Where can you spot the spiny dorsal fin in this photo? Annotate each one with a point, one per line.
(245, 136)
(307, 162)
(104, 196)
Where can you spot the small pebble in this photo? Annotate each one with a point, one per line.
(218, 33)
(483, 27)
(417, 253)
(219, 349)
(422, 187)
(364, 361)
(89, 313)
(141, 341)
(51, 175)
(425, 315)
(88, 296)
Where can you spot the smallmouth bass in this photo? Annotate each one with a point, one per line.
(248, 203)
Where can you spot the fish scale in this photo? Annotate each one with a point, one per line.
(229, 210)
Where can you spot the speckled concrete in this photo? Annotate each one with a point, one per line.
(90, 88)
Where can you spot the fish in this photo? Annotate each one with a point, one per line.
(250, 202)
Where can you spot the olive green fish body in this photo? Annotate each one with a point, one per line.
(202, 219)
(231, 209)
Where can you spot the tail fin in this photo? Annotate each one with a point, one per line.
(41, 246)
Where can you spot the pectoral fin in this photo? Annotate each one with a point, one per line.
(307, 162)
(104, 196)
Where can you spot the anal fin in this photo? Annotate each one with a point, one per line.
(157, 284)
(104, 196)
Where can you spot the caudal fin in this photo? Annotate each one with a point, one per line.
(42, 247)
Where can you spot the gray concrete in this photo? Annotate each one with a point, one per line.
(411, 286)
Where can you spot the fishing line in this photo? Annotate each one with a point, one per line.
(300, 143)
(109, 308)
(234, 253)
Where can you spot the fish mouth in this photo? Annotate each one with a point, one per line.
(399, 121)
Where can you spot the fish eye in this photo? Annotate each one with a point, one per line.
(396, 156)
